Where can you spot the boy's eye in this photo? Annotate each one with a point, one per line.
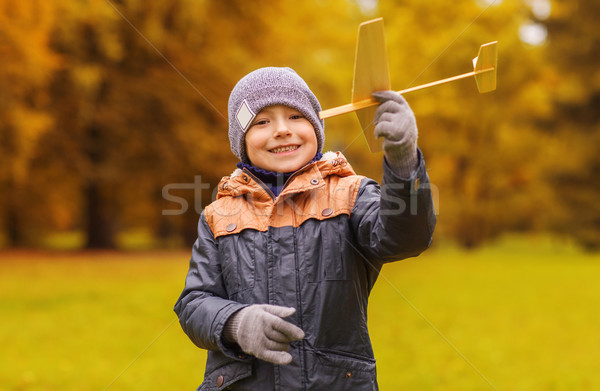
(260, 122)
(296, 116)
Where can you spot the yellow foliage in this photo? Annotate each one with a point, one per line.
(129, 96)
(31, 125)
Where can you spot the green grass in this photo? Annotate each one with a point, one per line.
(519, 315)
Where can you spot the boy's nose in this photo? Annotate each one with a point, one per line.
(281, 129)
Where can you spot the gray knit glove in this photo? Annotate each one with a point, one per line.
(395, 122)
(260, 331)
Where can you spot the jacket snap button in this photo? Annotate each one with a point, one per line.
(314, 181)
(327, 212)
(231, 227)
(220, 380)
(348, 374)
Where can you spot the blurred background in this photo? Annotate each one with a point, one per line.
(104, 103)
(113, 137)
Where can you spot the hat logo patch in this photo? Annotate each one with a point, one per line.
(245, 115)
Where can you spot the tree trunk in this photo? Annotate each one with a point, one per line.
(14, 236)
(99, 228)
(13, 227)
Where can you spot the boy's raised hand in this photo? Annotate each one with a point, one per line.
(396, 123)
(260, 331)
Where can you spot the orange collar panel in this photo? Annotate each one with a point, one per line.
(320, 190)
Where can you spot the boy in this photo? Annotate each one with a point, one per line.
(287, 255)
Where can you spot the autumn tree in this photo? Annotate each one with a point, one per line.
(573, 54)
(26, 65)
(140, 102)
(478, 147)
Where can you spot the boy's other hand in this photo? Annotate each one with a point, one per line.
(396, 123)
(260, 331)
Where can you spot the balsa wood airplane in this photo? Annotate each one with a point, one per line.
(371, 74)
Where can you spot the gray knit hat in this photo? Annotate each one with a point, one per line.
(267, 87)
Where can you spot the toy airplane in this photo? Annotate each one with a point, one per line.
(371, 74)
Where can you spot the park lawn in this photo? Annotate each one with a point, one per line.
(512, 316)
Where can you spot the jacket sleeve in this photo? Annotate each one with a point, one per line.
(394, 221)
(203, 307)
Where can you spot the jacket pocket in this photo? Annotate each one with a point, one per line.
(325, 250)
(343, 371)
(237, 257)
(225, 376)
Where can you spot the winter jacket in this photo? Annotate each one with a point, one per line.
(318, 247)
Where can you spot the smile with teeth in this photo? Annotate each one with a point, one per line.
(287, 148)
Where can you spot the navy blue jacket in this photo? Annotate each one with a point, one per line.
(318, 247)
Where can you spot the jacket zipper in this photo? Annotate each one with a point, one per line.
(299, 308)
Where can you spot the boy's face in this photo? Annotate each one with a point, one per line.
(280, 139)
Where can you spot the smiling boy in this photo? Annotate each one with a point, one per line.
(287, 255)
